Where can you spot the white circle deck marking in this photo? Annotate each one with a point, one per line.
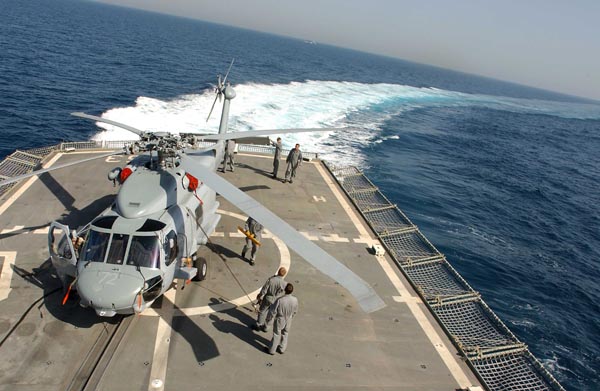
(285, 261)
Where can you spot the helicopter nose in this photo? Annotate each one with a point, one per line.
(107, 291)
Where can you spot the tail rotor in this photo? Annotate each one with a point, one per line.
(220, 88)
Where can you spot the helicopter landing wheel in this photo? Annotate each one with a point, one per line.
(202, 266)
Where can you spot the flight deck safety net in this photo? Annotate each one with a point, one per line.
(21, 162)
(498, 358)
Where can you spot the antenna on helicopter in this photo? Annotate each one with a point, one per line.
(220, 88)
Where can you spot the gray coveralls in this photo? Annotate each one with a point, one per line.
(276, 158)
(255, 228)
(294, 160)
(271, 291)
(284, 309)
(228, 157)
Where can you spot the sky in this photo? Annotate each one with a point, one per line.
(549, 44)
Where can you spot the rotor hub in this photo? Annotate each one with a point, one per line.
(229, 92)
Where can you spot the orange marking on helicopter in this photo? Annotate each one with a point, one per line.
(199, 199)
(139, 302)
(67, 295)
(125, 173)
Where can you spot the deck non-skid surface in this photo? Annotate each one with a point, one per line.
(195, 338)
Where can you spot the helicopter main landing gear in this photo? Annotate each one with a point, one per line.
(200, 264)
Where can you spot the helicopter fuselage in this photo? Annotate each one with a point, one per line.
(136, 248)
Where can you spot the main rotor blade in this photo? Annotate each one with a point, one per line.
(38, 172)
(227, 74)
(365, 295)
(255, 133)
(213, 105)
(108, 121)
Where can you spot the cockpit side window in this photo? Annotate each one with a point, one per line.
(95, 247)
(171, 248)
(118, 245)
(144, 251)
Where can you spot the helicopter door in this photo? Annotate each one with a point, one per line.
(62, 252)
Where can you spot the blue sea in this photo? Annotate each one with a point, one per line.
(503, 179)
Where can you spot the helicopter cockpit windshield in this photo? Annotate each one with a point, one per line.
(142, 251)
(118, 245)
(95, 247)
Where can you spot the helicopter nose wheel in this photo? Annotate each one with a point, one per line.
(201, 265)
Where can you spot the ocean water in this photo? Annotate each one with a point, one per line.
(503, 179)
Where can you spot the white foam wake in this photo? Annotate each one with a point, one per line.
(364, 107)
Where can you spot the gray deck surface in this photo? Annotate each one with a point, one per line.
(333, 344)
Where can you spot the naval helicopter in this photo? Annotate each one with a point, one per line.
(165, 209)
